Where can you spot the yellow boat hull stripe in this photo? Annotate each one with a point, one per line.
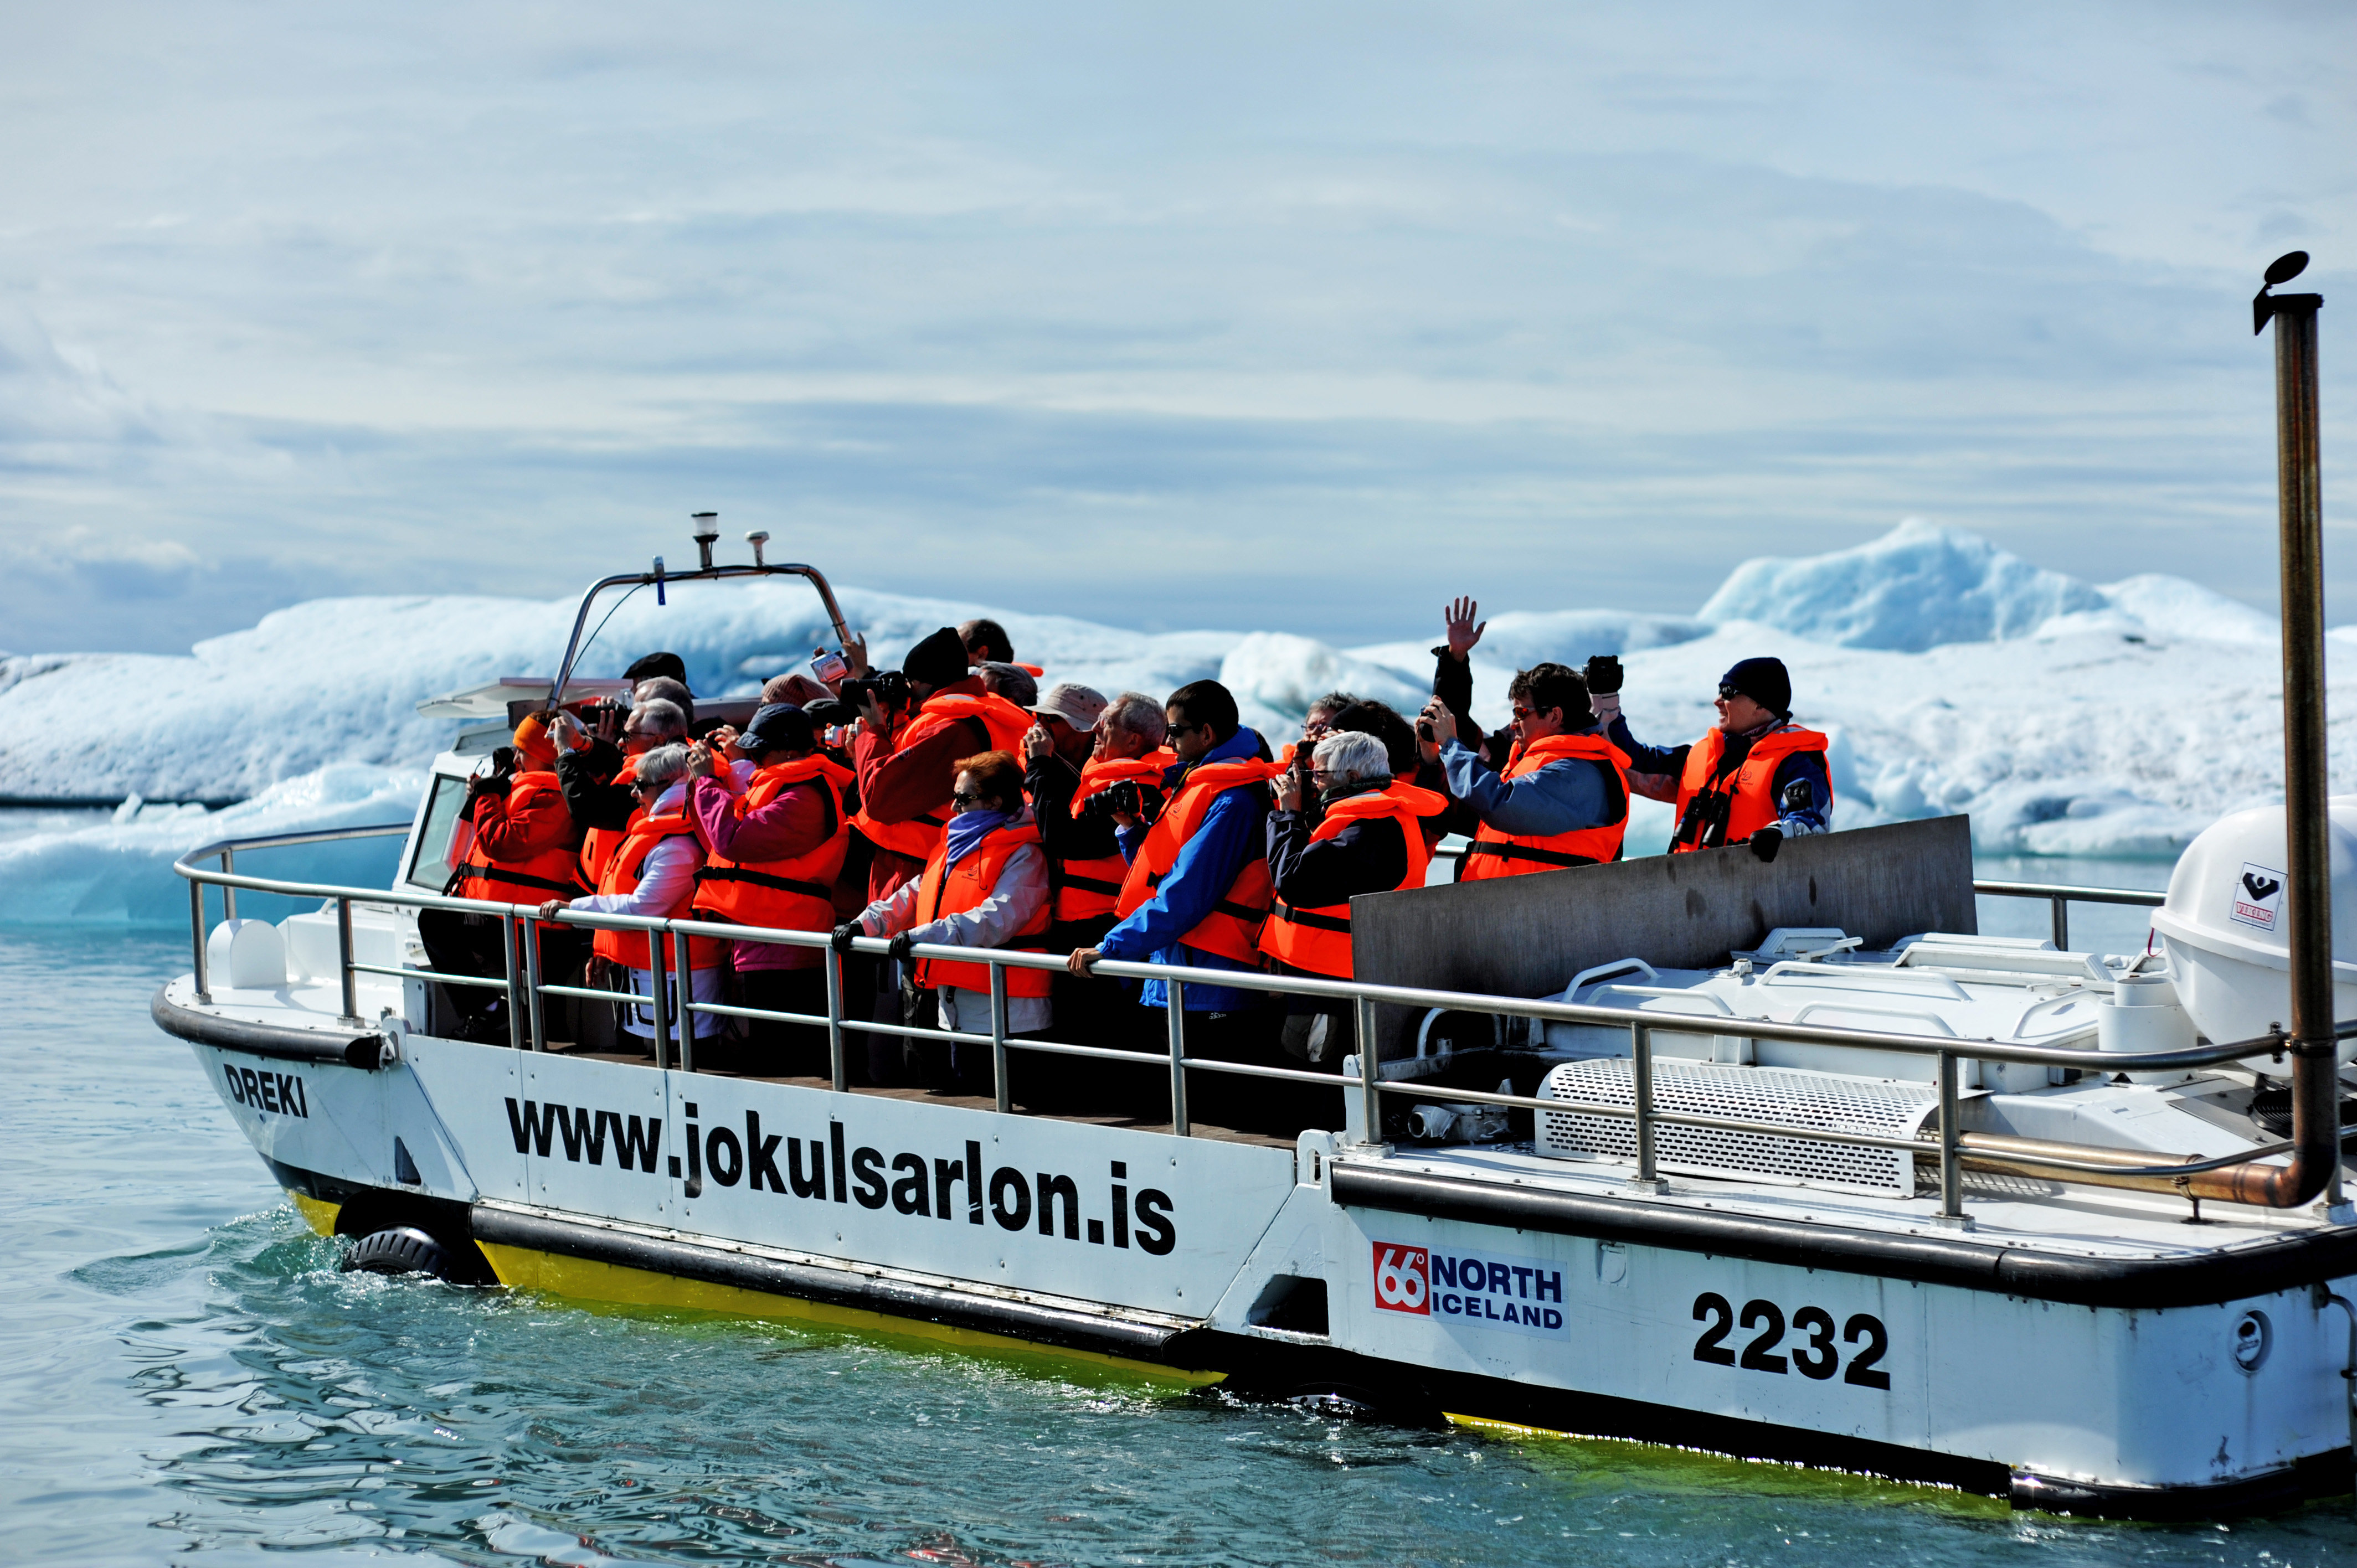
(587, 1279)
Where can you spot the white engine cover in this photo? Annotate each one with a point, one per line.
(2223, 923)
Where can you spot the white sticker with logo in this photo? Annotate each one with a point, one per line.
(2258, 897)
(1483, 1290)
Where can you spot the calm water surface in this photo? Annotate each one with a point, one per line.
(184, 1377)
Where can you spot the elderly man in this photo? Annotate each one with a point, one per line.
(652, 872)
(595, 774)
(1362, 833)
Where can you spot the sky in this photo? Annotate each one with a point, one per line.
(1300, 318)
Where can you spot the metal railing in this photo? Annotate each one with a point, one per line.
(525, 985)
(2063, 898)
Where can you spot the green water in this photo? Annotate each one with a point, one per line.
(185, 1378)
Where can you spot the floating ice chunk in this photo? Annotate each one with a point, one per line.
(1917, 586)
(113, 872)
(1276, 675)
(2171, 607)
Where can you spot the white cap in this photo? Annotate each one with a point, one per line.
(1078, 706)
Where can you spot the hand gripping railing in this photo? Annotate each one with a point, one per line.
(2224, 1180)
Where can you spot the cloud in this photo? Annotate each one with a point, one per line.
(1216, 319)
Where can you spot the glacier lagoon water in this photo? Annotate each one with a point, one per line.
(185, 1378)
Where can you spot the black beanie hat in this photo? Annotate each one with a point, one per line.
(938, 661)
(778, 726)
(1765, 682)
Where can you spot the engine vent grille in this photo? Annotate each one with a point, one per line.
(1828, 1100)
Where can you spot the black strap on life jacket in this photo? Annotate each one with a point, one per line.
(520, 879)
(1089, 884)
(1526, 852)
(763, 880)
(1281, 910)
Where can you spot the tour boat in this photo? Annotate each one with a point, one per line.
(1782, 1160)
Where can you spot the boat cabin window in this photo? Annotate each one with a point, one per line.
(430, 865)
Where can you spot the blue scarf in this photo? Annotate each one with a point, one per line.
(968, 828)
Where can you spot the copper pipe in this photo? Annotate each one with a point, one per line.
(2308, 899)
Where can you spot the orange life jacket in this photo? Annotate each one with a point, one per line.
(536, 878)
(1747, 794)
(1320, 940)
(1087, 888)
(1494, 854)
(948, 890)
(796, 893)
(1006, 724)
(1232, 928)
(623, 869)
(597, 844)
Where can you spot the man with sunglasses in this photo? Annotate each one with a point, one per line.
(1198, 891)
(1757, 778)
(1559, 802)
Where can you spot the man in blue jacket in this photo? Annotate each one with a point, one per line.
(1198, 888)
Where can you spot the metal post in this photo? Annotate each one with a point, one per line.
(834, 1063)
(2061, 925)
(229, 894)
(2307, 895)
(197, 927)
(531, 982)
(1951, 1181)
(1641, 1082)
(656, 1008)
(684, 979)
(515, 981)
(1370, 1070)
(998, 1038)
(1177, 1009)
(344, 962)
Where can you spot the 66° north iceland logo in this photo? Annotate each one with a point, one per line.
(1402, 1279)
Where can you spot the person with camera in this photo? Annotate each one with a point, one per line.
(1362, 832)
(525, 846)
(773, 850)
(652, 872)
(1559, 800)
(594, 769)
(1757, 778)
(984, 884)
(1196, 890)
(913, 729)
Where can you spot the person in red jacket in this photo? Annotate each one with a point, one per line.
(525, 849)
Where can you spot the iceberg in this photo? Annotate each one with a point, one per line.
(1951, 675)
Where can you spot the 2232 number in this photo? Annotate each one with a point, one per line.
(1815, 1357)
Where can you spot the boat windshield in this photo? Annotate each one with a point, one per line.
(433, 857)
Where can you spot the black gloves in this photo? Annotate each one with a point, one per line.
(1765, 843)
(841, 941)
(898, 952)
(1603, 673)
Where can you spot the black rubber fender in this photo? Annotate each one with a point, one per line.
(399, 1250)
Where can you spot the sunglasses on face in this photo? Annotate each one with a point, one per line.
(646, 788)
(967, 798)
(1181, 729)
(1728, 692)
